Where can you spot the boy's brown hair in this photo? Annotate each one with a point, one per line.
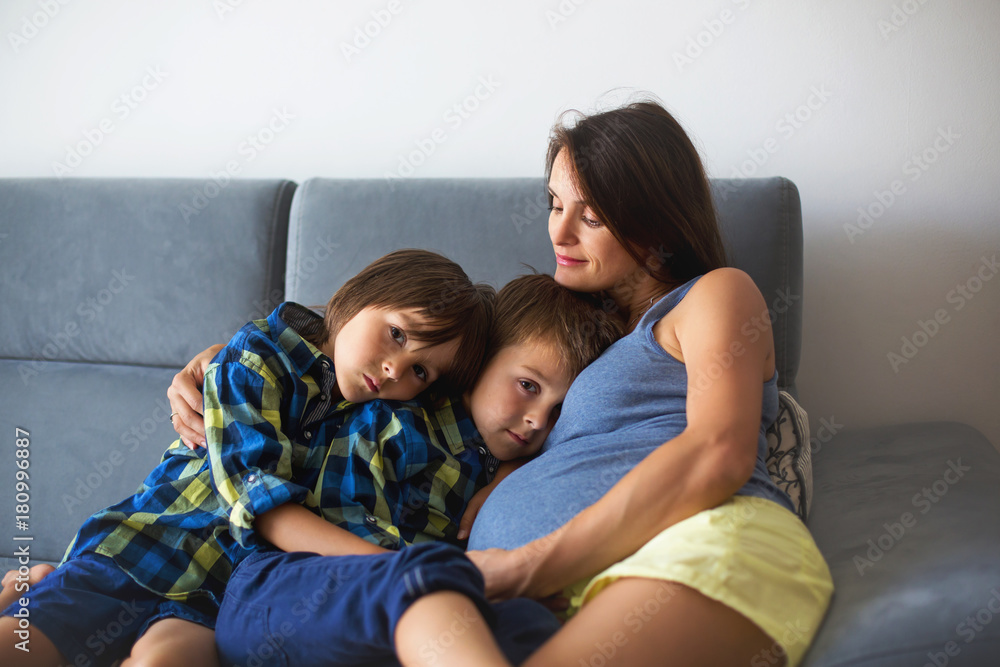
(535, 307)
(438, 289)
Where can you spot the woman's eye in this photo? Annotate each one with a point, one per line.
(590, 222)
(529, 386)
(397, 335)
(421, 372)
(557, 209)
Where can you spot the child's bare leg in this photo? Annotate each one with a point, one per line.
(10, 581)
(446, 629)
(43, 652)
(174, 642)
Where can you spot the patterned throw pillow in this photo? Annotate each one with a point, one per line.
(789, 454)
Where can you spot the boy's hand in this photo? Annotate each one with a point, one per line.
(476, 502)
(35, 574)
(185, 399)
(472, 510)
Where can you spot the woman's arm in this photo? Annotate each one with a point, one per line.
(184, 394)
(727, 347)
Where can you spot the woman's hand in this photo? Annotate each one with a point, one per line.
(185, 399)
(503, 571)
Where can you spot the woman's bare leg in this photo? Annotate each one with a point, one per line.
(173, 642)
(650, 623)
(445, 629)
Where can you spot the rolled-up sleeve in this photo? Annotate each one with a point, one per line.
(250, 455)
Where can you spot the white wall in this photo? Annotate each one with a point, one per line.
(889, 90)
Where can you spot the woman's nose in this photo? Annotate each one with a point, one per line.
(559, 231)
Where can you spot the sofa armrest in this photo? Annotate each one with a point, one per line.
(907, 518)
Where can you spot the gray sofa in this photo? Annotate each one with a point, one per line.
(110, 286)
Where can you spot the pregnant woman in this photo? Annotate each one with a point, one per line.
(650, 505)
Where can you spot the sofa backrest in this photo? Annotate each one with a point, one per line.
(494, 227)
(109, 286)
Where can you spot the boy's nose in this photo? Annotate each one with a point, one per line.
(390, 369)
(535, 419)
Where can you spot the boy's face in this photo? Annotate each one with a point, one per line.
(517, 398)
(374, 356)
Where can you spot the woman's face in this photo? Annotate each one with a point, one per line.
(588, 257)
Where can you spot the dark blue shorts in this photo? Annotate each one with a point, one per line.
(94, 612)
(305, 609)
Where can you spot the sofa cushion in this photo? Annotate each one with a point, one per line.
(906, 518)
(107, 292)
(789, 456)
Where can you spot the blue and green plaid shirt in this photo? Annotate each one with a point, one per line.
(391, 472)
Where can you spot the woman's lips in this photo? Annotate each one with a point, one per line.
(564, 260)
(371, 384)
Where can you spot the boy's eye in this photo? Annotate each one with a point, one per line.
(397, 335)
(421, 372)
(528, 386)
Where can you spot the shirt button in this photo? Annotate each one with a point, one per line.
(325, 364)
(482, 450)
(324, 397)
(308, 435)
(251, 478)
(370, 519)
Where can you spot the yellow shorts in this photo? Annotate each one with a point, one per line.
(750, 554)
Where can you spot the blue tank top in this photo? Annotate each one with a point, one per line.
(623, 406)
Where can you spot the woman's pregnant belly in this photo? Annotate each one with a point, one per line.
(550, 490)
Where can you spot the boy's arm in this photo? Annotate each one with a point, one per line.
(249, 454)
(476, 502)
(292, 527)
